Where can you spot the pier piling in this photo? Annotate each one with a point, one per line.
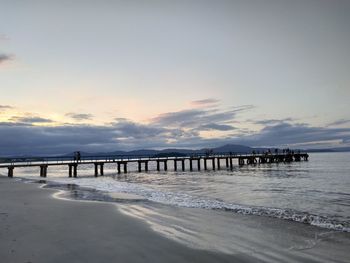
(101, 168)
(43, 170)
(10, 171)
(96, 169)
(218, 163)
(70, 170)
(75, 170)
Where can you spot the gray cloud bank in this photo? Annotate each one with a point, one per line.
(30, 119)
(79, 116)
(205, 102)
(4, 58)
(176, 129)
(5, 107)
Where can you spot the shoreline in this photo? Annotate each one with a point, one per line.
(253, 238)
(299, 216)
(39, 228)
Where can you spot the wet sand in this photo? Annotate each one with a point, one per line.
(263, 238)
(36, 227)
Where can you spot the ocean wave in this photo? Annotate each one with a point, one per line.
(181, 199)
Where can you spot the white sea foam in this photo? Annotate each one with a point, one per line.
(107, 184)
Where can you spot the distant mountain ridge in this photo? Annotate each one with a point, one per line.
(233, 148)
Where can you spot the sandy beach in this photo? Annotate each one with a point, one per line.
(36, 227)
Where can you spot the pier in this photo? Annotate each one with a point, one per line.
(216, 161)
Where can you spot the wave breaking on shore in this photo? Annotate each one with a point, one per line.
(92, 188)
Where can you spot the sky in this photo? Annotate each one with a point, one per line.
(121, 75)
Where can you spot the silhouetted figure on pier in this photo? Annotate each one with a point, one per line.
(77, 156)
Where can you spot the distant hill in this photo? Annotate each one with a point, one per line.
(339, 149)
(233, 148)
(171, 151)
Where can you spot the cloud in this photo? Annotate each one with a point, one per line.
(4, 37)
(339, 122)
(24, 138)
(168, 130)
(31, 119)
(180, 118)
(292, 134)
(205, 102)
(4, 58)
(218, 127)
(242, 108)
(27, 139)
(128, 129)
(80, 116)
(194, 118)
(271, 121)
(5, 107)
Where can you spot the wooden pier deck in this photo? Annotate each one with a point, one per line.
(195, 162)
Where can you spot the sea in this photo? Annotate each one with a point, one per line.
(314, 193)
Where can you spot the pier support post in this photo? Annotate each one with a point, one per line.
(101, 169)
(43, 170)
(191, 166)
(183, 164)
(146, 166)
(158, 168)
(10, 171)
(213, 163)
(227, 162)
(96, 169)
(205, 164)
(139, 166)
(75, 170)
(125, 167)
(231, 164)
(218, 161)
(165, 166)
(175, 165)
(70, 167)
(118, 167)
(199, 164)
